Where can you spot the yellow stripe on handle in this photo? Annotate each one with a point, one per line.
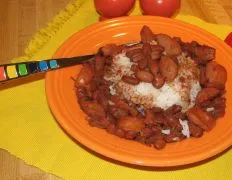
(11, 71)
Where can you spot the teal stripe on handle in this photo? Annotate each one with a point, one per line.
(53, 64)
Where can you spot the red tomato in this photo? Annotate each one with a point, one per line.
(113, 8)
(164, 8)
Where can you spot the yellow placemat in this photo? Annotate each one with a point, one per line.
(29, 131)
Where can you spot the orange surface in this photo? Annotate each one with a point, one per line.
(62, 100)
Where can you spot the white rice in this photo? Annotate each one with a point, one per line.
(121, 66)
(210, 109)
(185, 131)
(166, 131)
(174, 93)
(112, 90)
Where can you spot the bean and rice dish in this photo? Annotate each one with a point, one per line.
(158, 91)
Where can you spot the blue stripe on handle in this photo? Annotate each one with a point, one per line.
(43, 65)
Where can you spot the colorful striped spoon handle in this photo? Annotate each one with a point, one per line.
(18, 70)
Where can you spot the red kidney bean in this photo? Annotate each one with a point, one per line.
(195, 131)
(155, 55)
(94, 123)
(216, 75)
(143, 63)
(118, 113)
(201, 118)
(180, 115)
(82, 93)
(156, 52)
(120, 133)
(109, 61)
(144, 76)
(159, 144)
(140, 139)
(159, 119)
(157, 48)
(149, 117)
(99, 62)
(129, 123)
(111, 118)
(133, 111)
(130, 80)
(122, 104)
(206, 104)
(157, 109)
(152, 139)
(92, 109)
(135, 55)
(219, 112)
(168, 68)
(154, 67)
(103, 101)
(146, 34)
(173, 109)
(134, 68)
(217, 106)
(93, 85)
(219, 102)
(111, 129)
(156, 129)
(146, 132)
(171, 46)
(146, 49)
(131, 52)
(95, 95)
(130, 135)
(91, 65)
(158, 81)
(206, 94)
(173, 123)
(104, 89)
(104, 123)
(115, 99)
(85, 76)
(203, 79)
(108, 50)
(204, 53)
(177, 39)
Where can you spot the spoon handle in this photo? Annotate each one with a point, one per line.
(22, 69)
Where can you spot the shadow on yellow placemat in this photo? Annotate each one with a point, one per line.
(29, 131)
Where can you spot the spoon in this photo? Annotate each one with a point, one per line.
(19, 70)
(22, 69)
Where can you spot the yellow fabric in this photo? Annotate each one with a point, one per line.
(29, 131)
